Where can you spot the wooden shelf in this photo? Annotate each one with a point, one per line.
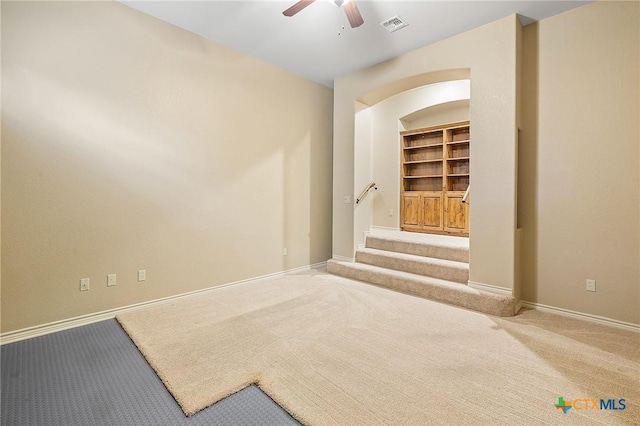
(458, 175)
(457, 142)
(423, 176)
(458, 159)
(423, 161)
(435, 145)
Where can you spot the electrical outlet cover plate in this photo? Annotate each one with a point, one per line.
(85, 284)
(111, 280)
(591, 285)
(142, 275)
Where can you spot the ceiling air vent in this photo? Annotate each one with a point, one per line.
(394, 24)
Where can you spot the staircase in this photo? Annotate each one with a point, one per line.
(436, 268)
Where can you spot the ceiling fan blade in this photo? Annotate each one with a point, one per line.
(353, 14)
(297, 7)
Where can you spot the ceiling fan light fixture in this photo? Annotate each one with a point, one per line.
(339, 3)
(350, 9)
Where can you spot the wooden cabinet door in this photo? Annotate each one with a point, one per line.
(432, 217)
(456, 213)
(410, 213)
(422, 211)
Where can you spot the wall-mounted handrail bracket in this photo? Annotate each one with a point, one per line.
(466, 195)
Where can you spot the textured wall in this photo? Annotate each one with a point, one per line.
(129, 144)
(449, 112)
(579, 192)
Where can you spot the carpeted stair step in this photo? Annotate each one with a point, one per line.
(431, 267)
(458, 253)
(427, 287)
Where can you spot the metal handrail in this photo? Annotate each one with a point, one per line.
(366, 191)
(466, 195)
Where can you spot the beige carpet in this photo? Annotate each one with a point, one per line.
(335, 351)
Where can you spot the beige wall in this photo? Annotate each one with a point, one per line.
(130, 144)
(580, 161)
(489, 52)
(0, 160)
(363, 175)
(449, 112)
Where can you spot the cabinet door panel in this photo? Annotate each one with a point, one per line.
(432, 211)
(411, 210)
(456, 214)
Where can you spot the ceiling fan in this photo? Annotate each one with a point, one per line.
(350, 8)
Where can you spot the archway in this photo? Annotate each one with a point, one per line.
(377, 148)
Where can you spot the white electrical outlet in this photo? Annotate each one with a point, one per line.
(142, 275)
(84, 284)
(390, 212)
(591, 285)
(284, 251)
(347, 199)
(111, 280)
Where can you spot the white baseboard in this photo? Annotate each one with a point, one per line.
(518, 307)
(383, 229)
(588, 317)
(344, 258)
(490, 288)
(363, 244)
(52, 327)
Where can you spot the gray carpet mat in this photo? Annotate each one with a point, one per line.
(95, 375)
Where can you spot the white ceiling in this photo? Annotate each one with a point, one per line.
(309, 44)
